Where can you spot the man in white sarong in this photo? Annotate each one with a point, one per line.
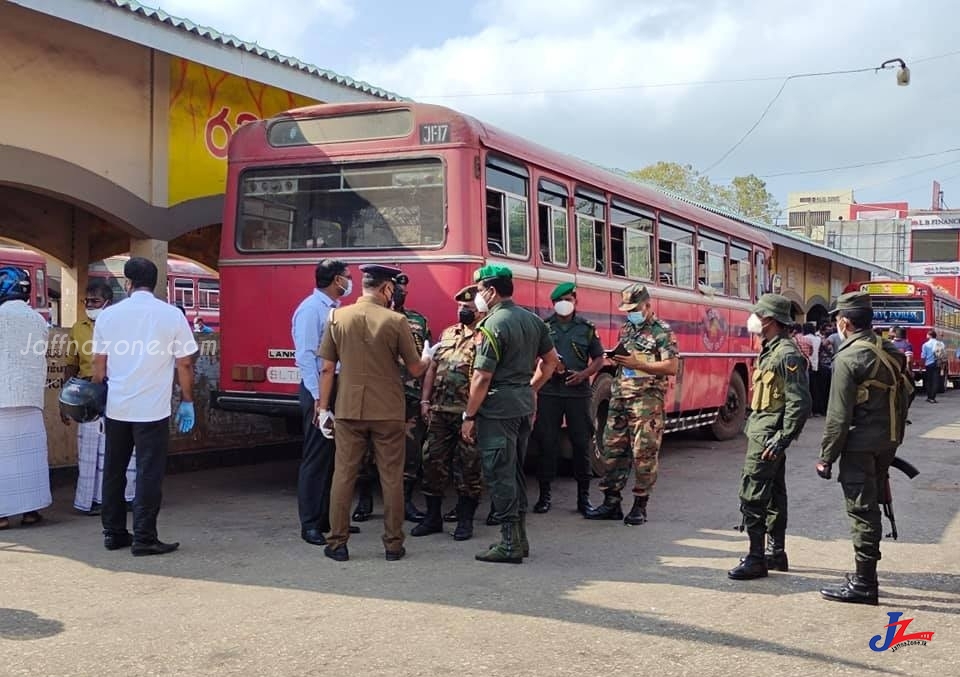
(24, 471)
(91, 441)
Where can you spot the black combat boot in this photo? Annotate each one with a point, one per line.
(433, 521)
(638, 513)
(858, 588)
(776, 556)
(466, 509)
(608, 510)
(508, 549)
(543, 503)
(453, 515)
(492, 519)
(754, 565)
(411, 512)
(364, 501)
(583, 497)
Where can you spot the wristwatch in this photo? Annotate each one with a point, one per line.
(469, 418)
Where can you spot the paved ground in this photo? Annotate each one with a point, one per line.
(244, 596)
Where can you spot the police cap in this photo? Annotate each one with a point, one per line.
(562, 290)
(378, 273)
(855, 300)
(467, 294)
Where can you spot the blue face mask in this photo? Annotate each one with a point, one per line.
(636, 317)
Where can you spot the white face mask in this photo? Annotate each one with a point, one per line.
(482, 305)
(841, 332)
(754, 324)
(93, 312)
(563, 308)
(349, 288)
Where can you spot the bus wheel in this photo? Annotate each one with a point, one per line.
(733, 413)
(599, 403)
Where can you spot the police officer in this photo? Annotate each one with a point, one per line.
(503, 389)
(367, 339)
(446, 388)
(780, 407)
(646, 356)
(567, 396)
(865, 421)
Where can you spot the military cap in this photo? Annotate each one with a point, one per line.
(852, 301)
(562, 290)
(492, 272)
(775, 306)
(467, 294)
(380, 273)
(633, 296)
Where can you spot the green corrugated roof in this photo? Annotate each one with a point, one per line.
(213, 35)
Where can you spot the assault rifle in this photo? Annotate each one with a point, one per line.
(886, 501)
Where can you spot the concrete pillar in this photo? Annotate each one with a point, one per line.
(156, 251)
(73, 280)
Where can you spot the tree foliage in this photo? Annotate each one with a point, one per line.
(744, 195)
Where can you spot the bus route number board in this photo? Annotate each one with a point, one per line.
(437, 132)
(283, 375)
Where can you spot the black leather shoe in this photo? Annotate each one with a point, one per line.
(325, 528)
(395, 555)
(544, 501)
(608, 510)
(451, 516)
(339, 554)
(117, 541)
(854, 590)
(155, 548)
(750, 567)
(313, 536)
(777, 560)
(638, 513)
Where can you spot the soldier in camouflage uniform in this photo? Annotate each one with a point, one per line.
(416, 427)
(780, 407)
(635, 416)
(446, 388)
(867, 412)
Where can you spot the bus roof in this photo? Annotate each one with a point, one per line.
(175, 265)
(15, 254)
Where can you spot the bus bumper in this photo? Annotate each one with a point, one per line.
(256, 403)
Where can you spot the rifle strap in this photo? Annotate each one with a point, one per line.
(892, 389)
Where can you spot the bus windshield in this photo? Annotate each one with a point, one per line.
(902, 311)
(378, 205)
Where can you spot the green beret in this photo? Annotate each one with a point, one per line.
(467, 294)
(852, 301)
(491, 272)
(562, 289)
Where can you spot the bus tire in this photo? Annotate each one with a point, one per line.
(599, 402)
(733, 413)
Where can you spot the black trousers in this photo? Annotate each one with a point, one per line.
(316, 467)
(931, 380)
(820, 389)
(152, 440)
(551, 411)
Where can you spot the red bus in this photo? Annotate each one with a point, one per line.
(36, 267)
(189, 285)
(918, 307)
(439, 194)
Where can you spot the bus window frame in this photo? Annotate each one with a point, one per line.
(624, 205)
(597, 198)
(553, 186)
(689, 229)
(193, 292)
(744, 248)
(203, 295)
(706, 235)
(519, 170)
(412, 157)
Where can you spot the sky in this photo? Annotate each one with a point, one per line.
(626, 83)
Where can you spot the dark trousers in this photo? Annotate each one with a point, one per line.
(152, 440)
(551, 411)
(503, 448)
(931, 380)
(763, 493)
(820, 390)
(863, 478)
(316, 468)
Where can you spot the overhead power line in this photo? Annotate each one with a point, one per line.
(859, 165)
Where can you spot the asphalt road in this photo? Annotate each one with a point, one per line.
(245, 596)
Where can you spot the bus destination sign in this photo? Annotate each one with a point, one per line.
(893, 316)
(435, 132)
(888, 288)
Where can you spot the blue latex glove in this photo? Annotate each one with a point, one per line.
(185, 417)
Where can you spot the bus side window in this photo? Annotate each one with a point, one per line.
(739, 281)
(762, 279)
(209, 293)
(675, 256)
(631, 235)
(506, 209)
(711, 263)
(183, 292)
(552, 223)
(591, 220)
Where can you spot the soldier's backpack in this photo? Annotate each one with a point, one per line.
(900, 393)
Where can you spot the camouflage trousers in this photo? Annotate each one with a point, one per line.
(763, 493)
(632, 437)
(863, 477)
(413, 442)
(446, 451)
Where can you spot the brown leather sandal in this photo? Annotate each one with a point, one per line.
(31, 518)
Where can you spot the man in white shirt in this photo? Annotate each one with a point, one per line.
(137, 344)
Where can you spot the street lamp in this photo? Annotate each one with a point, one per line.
(903, 75)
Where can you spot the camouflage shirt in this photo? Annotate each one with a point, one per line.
(652, 341)
(454, 357)
(781, 392)
(412, 387)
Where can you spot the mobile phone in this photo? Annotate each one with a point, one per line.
(620, 349)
